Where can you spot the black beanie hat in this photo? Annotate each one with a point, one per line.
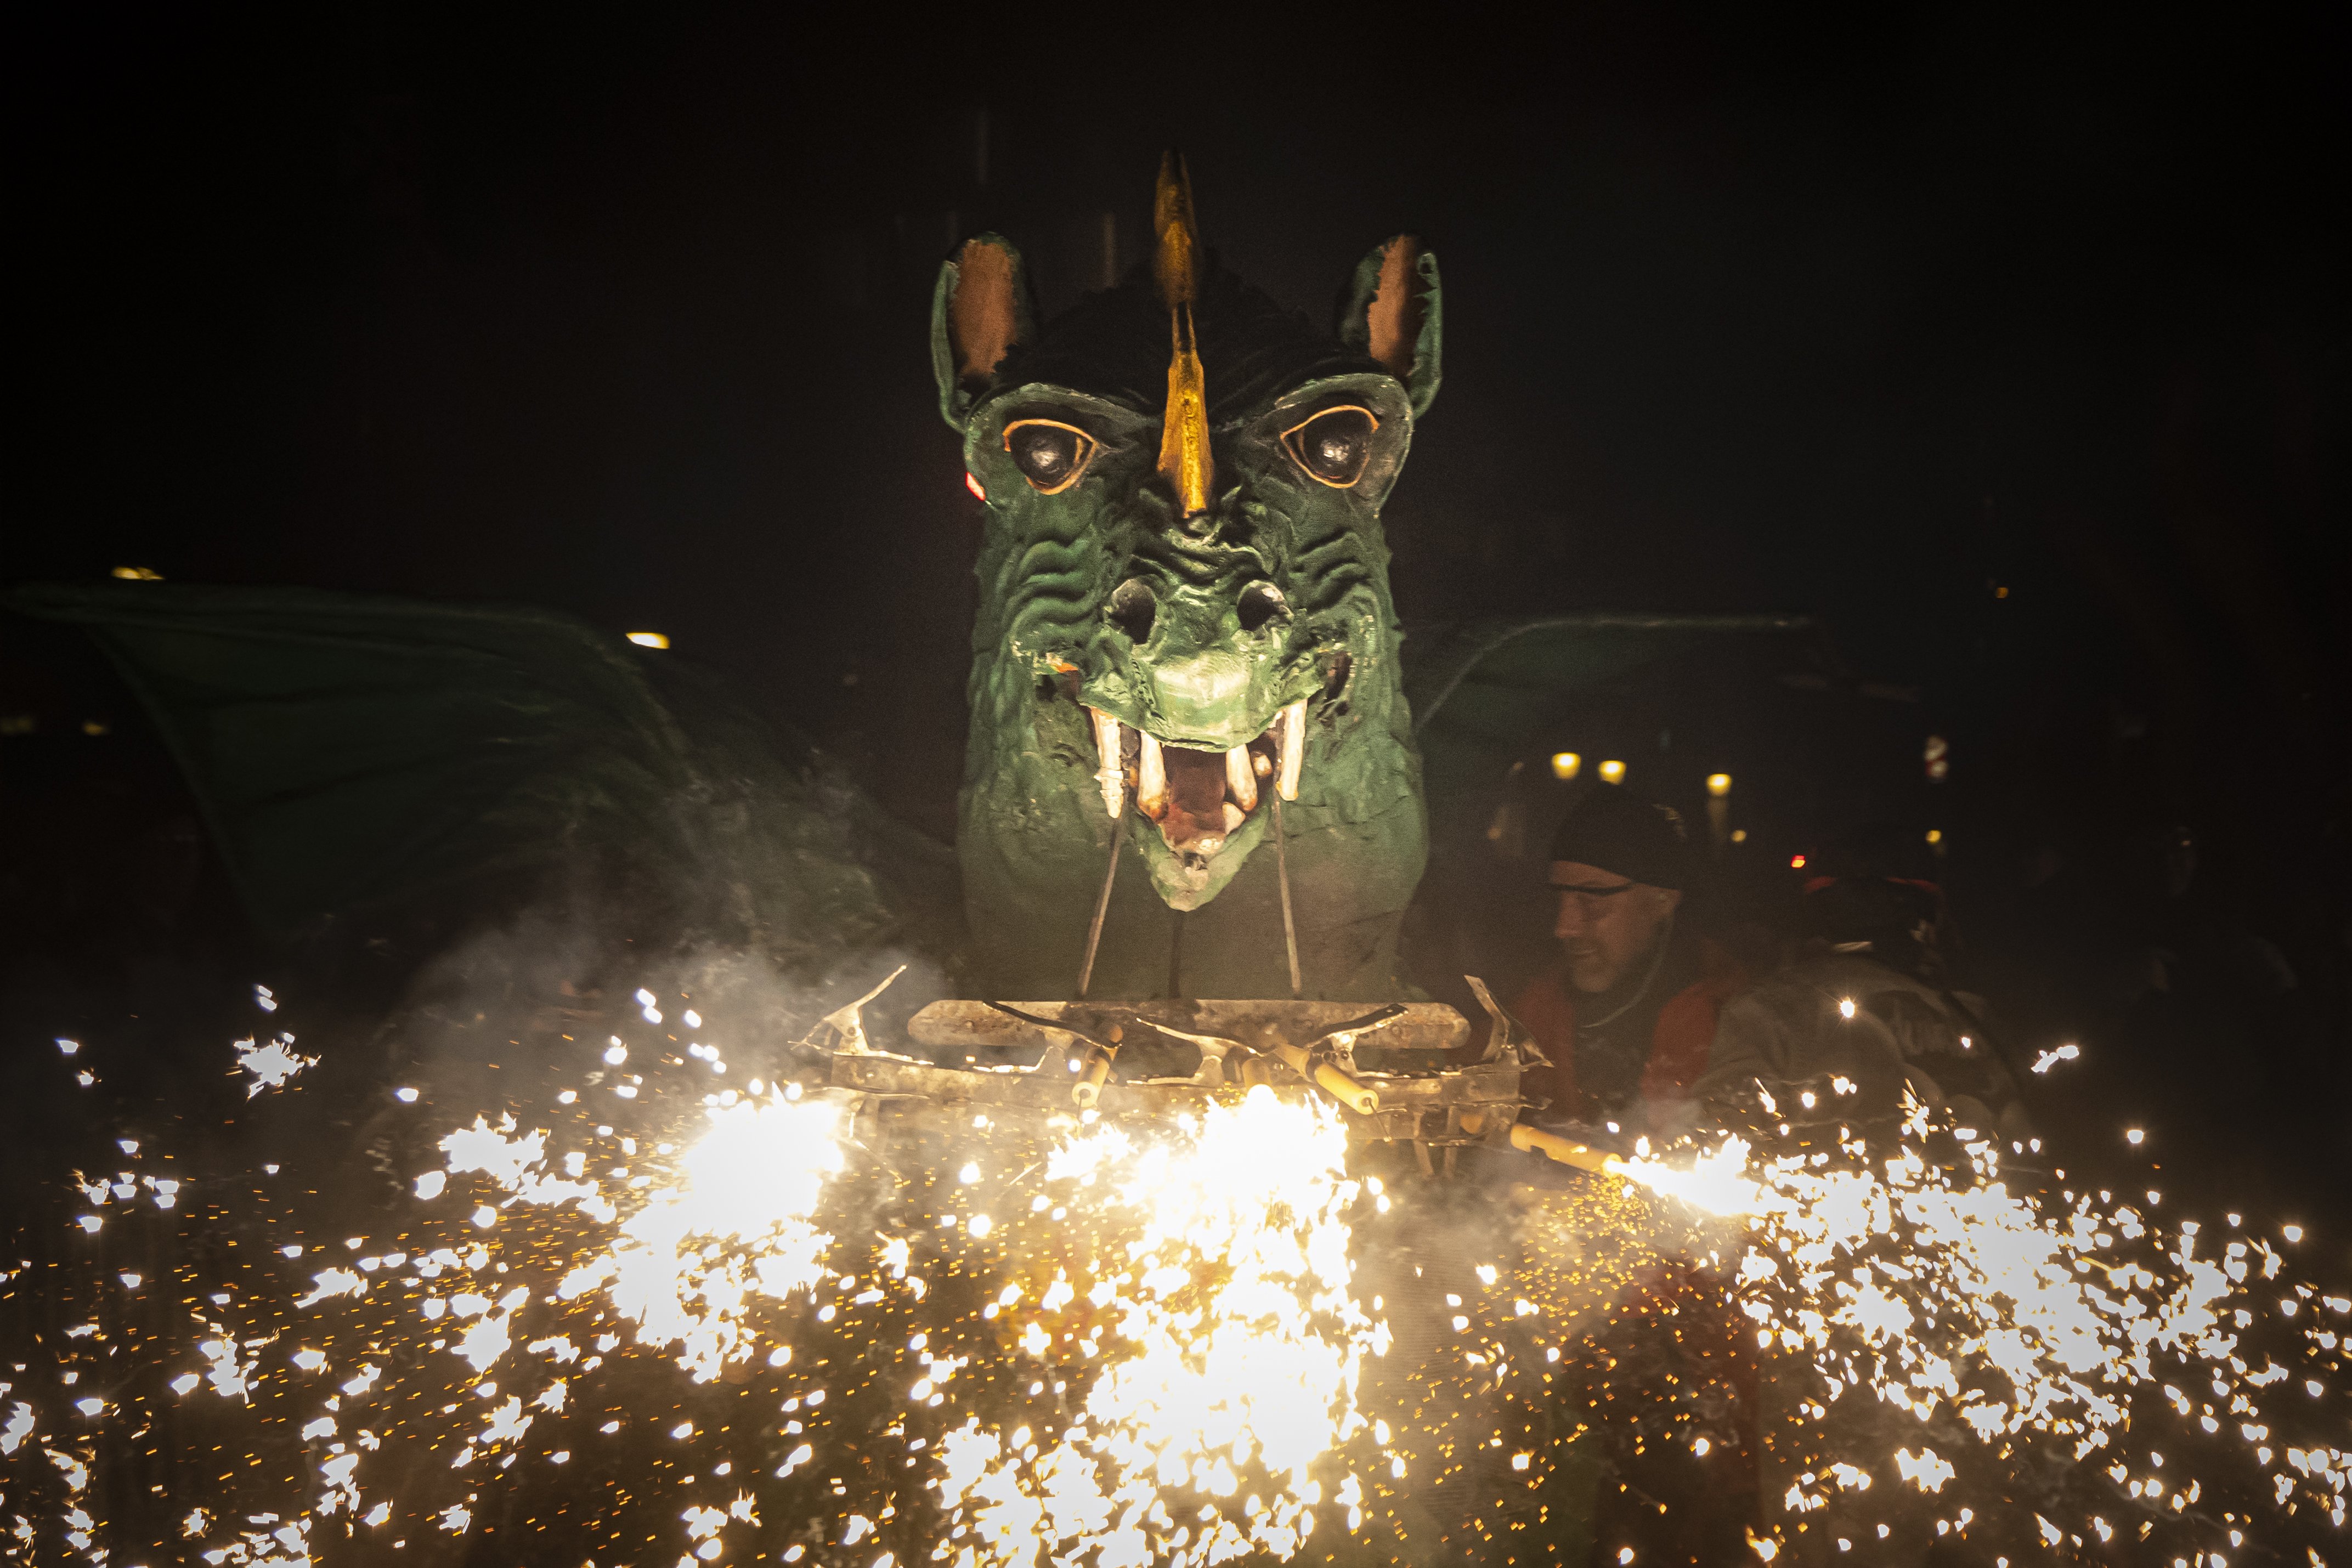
(1640, 840)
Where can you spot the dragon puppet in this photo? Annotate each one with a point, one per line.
(1195, 768)
(1187, 651)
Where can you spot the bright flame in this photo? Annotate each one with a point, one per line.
(1239, 1349)
(733, 1226)
(1715, 1183)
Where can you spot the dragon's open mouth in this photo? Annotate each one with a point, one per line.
(1199, 797)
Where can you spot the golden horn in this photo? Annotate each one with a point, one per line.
(1184, 458)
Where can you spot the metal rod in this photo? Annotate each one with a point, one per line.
(1176, 955)
(1281, 873)
(1102, 908)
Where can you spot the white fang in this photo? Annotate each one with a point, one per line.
(1240, 780)
(1112, 774)
(1294, 748)
(1150, 777)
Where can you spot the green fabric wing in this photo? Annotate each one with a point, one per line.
(362, 756)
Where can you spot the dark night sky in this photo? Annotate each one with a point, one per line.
(626, 312)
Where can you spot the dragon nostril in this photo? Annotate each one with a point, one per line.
(1131, 609)
(1336, 667)
(1260, 602)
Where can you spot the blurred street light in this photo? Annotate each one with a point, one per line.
(1566, 764)
(1719, 809)
(1613, 772)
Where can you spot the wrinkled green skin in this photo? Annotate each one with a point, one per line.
(1033, 834)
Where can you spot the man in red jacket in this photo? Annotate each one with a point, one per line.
(1627, 1015)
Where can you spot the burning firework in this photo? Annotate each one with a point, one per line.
(657, 1310)
(749, 1329)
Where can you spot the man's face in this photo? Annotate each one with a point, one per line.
(1607, 924)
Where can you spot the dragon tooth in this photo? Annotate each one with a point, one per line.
(1294, 748)
(1240, 780)
(1112, 774)
(1150, 777)
(1236, 815)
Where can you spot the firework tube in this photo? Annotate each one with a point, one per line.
(1355, 1096)
(1088, 1088)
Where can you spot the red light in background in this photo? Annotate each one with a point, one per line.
(1796, 862)
(973, 484)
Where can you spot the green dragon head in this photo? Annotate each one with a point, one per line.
(1185, 628)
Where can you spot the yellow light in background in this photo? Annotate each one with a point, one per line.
(1613, 771)
(138, 574)
(1566, 764)
(1738, 835)
(649, 639)
(1934, 835)
(1719, 810)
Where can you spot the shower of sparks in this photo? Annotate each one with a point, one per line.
(685, 1315)
(2038, 1358)
(1231, 1343)
(1110, 1334)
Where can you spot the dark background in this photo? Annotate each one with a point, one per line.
(2017, 356)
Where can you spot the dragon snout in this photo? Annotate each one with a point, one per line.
(1132, 609)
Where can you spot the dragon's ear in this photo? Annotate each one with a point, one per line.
(982, 309)
(1394, 311)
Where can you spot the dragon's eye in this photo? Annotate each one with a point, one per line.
(1335, 444)
(1048, 454)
